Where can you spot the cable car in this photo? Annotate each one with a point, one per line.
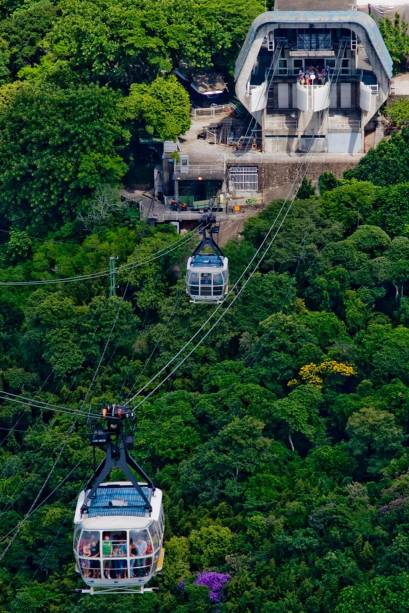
(118, 525)
(207, 269)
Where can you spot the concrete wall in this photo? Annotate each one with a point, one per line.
(276, 177)
(345, 142)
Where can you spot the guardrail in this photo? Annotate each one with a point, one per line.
(353, 125)
(212, 111)
(200, 170)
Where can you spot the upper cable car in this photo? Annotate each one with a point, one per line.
(118, 525)
(207, 269)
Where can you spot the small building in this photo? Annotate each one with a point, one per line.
(313, 80)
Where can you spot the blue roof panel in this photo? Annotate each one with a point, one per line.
(207, 261)
(122, 501)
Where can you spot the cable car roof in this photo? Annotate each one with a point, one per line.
(100, 514)
(123, 501)
(204, 260)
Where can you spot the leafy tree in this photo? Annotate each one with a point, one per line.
(161, 108)
(306, 190)
(379, 595)
(350, 203)
(326, 182)
(373, 434)
(210, 545)
(396, 37)
(397, 112)
(386, 164)
(299, 412)
(51, 183)
(24, 30)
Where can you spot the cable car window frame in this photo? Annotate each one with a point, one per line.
(155, 535)
(135, 562)
(89, 564)
(135, 567)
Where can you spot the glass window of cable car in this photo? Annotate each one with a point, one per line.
(117, 541)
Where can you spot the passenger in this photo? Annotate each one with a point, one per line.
(123, 549)
(106, 546)
(85, 567)
(118, 566)
(148, 562)
(85, 564)
(95, 569)
(141, 547)
(86, 549)
(133, 552)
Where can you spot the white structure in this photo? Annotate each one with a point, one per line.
(117, 542)
(312, 79)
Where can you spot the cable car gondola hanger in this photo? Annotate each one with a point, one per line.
(118, 532)
(207, 268)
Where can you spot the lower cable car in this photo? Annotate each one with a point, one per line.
(118, 525)
(207, 269)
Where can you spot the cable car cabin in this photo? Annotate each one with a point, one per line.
(207, 269)
(207, 278)
(117, 540)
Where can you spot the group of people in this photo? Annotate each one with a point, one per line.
(114, 552)
(313, 76)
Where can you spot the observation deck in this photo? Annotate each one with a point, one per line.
(312, 98)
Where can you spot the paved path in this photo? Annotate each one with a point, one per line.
(400, 85)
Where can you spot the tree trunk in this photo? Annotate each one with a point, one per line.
(291, 441)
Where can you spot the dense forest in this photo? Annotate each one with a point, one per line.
(281, 442)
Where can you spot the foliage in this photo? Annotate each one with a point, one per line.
(51, 184)
(398, 112)
(280, 443)
(396, 37)
(308, 483)
(387, 163)
(326, 182)
(149, 104)
(306, 190)
(215, 582)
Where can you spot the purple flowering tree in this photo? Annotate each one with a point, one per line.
(215, 582)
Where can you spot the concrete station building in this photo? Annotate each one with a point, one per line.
(256, 154)
(333, 117)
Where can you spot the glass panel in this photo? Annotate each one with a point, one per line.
(155, 536)
(218, 279)
(140, 553)
(194, 277)
(89, 552)
(114, 553)
(206, 278)
(76, 537)
(114, 544)
(311, 41)
(116, 568)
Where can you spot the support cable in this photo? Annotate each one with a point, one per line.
(103, 273)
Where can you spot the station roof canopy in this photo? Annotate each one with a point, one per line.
(317, 17)
(315, 5)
